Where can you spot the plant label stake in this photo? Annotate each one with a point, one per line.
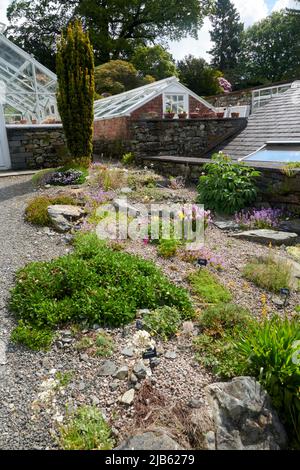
(150, 353)
(139, 325)
(202, 262)
(285, 293)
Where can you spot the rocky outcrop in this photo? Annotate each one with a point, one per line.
(64, 216)
(267, 236)
(241, 418)
(150, 440)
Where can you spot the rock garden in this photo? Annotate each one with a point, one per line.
(140, 343)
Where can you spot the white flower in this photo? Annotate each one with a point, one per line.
(143, 340)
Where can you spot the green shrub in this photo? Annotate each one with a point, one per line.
(128, 159)
(269, 352)
(268, 273)
(227, 187)
(84, 343)
(167, 248)
(94, 284)
(32, 337)
(86, 430)
(104, 345)
(36, 211)
(223, 317)
(206, 286)
(163, 322)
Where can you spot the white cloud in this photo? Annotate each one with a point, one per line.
(3, 6)
(250, 13)
(281, 4)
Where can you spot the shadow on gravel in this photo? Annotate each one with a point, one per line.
(16, 189)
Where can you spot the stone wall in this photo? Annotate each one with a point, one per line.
(236, 98)
(36, 146)
(190, 137)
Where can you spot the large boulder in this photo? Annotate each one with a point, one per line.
(266, 236)
(290, 226)
(63, 216)
(150, 440)
(242, 417)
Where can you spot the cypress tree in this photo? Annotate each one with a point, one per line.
(226, 36)
(76, 90)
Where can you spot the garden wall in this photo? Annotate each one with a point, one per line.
(236, 98)
(190, 137)
(36, 146)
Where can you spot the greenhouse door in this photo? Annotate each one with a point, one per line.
(4, 150)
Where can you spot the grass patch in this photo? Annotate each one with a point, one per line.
(32, 337)
(94, 284)
(36, 211)
(207, 287)
(86, 430)
(104, 345)
(163, 322)
(64, 378)
(268, 274)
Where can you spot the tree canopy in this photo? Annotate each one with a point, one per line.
(199, 76)
(226, 35)
(116, 27)
(118, 76)
(155, 61)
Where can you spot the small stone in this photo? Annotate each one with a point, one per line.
(114, 386)
(195, 403)
(171, 355)
(96, 327)
(84, 357)
(154, 362)
(3, 359)
(122, 373)
(141, 313)
(133, 379)
(128, 397)
(140, 370)
(126, 190)
(67, 340)
(95, 400)
(46, 363)
(278, 301)
(128, 352)
(138, 387)
(81, 386)
(67, 333)
(107, 368)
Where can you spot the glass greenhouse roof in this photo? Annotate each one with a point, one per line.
(124, 103)
(276, 152)
(27, 87)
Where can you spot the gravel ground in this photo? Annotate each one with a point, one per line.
(31, 402)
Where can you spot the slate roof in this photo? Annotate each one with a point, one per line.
(278, 120)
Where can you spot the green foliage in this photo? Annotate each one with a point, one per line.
(271, 354)
(105, 345)
(64, 378)
(227, 187)
(117, 76)
(271, 49)
(32, 337)
(128, 159)
(84, 343)
(155, 61)
(223, 317)
(206, 286)
(268, 273)
(94, 284)
(36, 211)
(167, 248)
(163, 322)
(75, 97)
(86, 430)
(197, 75)
(226, 36)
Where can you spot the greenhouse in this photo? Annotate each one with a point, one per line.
(27, 88)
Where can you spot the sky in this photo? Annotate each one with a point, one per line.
(250, 11)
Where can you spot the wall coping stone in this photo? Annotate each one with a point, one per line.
(33, 126)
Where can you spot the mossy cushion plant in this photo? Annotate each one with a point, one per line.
(268, 273)
(36, 211)
(94, 284)
(207, 287)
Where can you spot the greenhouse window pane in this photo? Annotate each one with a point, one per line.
(276, 153)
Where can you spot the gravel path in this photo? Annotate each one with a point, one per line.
(19, 244)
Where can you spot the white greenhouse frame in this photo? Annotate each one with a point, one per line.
(30, 88)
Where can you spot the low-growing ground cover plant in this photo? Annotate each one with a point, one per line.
(214, 260)
(94, 284)
(207, 287)
(66, 177)
(33, 337)
(86, 429)
(36, 211)
(227, 186)
(268, 273)
(259, 218)
(163, 322)
(104, 345)
(168, 248)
